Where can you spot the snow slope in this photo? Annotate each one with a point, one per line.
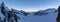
(50, 17)
(31, 17)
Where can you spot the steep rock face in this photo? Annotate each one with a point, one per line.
(2, 17)
(7, 15)
(58, 17)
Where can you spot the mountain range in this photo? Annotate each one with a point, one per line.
(47, 15)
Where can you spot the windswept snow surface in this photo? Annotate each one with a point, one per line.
(51, 17)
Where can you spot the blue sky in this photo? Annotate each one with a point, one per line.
(31, 4)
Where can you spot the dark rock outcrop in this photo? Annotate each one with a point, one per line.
(58, 17)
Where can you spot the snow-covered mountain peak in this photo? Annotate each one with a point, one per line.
(10, 8)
